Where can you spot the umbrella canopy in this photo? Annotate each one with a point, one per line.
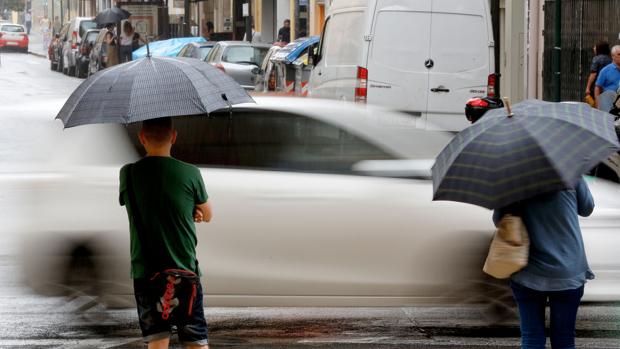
(151, 88)
(111, 15)
(543, 147)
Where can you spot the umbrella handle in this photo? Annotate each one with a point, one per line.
(508, 108)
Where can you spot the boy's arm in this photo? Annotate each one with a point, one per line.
(203, 213)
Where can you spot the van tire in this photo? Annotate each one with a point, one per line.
(82, 276)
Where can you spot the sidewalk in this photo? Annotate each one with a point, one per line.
(35, 46)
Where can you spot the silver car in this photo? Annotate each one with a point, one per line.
(317, 203)
(77, 28)
(238, 59)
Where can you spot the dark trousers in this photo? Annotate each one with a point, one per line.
(126, 52)
(563, 309)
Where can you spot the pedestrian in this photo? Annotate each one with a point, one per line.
(601, 59)
(45, 26)
(111, 47)
(284, 34)
(608, 82)
(129, 39)
(57, 25)
(208, 31)
(557, 268)
(171, 198)
(28, 21)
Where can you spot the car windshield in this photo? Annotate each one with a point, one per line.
(12, 28)
(92, 36)
(245, 55)
(87, 25)
(204, 51)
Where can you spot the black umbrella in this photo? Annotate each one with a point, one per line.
(504, 158)
(151, 88)
(111, 15)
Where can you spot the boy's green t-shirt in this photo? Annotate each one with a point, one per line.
(166, 191)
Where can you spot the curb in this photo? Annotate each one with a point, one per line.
(37, 54)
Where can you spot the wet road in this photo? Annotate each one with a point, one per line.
(30, 96)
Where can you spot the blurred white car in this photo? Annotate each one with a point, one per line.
(316, 203)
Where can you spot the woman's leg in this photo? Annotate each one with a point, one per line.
(531, 305)
(564, 305)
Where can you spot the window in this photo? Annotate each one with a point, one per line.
(87, 25)
(268, 140)
(340, 47)
(245, 55)
(183, 52)
(203, 52)
(213, 54)
(13, 28)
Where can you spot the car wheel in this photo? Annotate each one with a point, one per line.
(53, 66)
(59, 65)
(71, 71)
(76, 71)
(82, 276)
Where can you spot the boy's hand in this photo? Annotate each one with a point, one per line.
(197, 215)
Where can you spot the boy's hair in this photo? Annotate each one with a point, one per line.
(602, 48)
(158, 130)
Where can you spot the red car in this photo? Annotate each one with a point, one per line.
(13, 35)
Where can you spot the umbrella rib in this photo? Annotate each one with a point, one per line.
(491, 198)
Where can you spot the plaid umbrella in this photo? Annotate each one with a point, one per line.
(150, 88)
(543, 147)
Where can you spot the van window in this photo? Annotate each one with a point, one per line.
(400, 40)
(458, 42)
(342, 41)
(86, 26)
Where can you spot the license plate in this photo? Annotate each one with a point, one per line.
(10, 43)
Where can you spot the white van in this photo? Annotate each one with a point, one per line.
(424, 57)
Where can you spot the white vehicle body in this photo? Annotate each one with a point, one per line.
(369, 235)
(74, 39)
(424, 57)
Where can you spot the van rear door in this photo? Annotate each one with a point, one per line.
(399, 50)
(460, 45)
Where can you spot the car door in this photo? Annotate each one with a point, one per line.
(290, 219)
(399, 56)
(460, 51)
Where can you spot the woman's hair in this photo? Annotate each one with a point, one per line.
(127, 28)
(602, 48)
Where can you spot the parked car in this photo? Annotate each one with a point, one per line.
(54, 51)
(423, 57)
(317, 203)
(13, 36)
(77, 27)
(265, 75)
(198, 50)
(238, 59)
(98, 53)
(82, 57)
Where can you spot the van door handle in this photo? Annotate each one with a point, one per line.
(320, 73)
(440, 89)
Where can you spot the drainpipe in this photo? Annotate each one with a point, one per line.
(556, 62)
(532, 49)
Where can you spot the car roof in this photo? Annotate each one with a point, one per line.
(12, 25)
(242, 43)
(395, 131)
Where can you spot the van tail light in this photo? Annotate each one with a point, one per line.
(74, 40)
(491, 85)
(220, 67)
(361, 85)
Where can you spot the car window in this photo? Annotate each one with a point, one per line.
(337, 46)
(204, 51)
(87, 25)
(92, 36)
(269, 140)
(183, 51)
(12, 28)
(245, 55)
(211, 55)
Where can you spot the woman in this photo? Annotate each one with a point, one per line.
(602, 57)
(557, 268)
(112, 49)
(46, 31)
(126, 42)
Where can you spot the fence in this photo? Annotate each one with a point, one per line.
(584, 23)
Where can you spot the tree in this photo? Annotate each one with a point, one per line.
(15, 5)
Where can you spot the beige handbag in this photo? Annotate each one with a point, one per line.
(509, 249)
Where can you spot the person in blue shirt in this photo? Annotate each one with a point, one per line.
(557, 268)
(608, 82)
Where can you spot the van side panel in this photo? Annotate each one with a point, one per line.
(397, 75)
(341, 53)
(460, 51)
